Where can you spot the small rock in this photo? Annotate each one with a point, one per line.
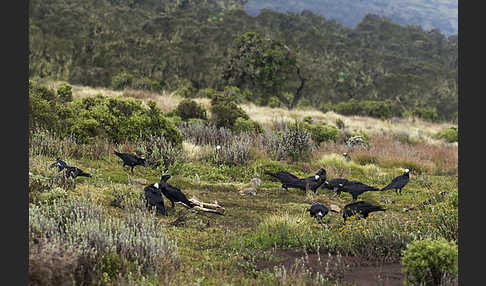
(248, 191)
(140, 181)
(334, 208)
(255, 182)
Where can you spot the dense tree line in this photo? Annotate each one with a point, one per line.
(188, 42)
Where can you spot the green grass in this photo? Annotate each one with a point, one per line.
(227, 249)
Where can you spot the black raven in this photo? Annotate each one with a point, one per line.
(334, 184)
(153, 196)
(318, 210)
(398, 182)
(172, 193)
(69, 171)
(355, 188)
(60, 164)
(348, 158)
(289, 180)
(131, 160)
(74, 172)
(361, 207)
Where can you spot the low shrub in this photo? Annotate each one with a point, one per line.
(225, 113)
(145, 83)
(159, 151)
(427, 114)
(293, 142)
(430, 262)
(119, 119)
(65, 92)
(188, 109)
(199, 133)
(133, 244)
(243, 125)
(450, 134)
(121, 81)
(322, 132)
(372, 108)
(237, 152)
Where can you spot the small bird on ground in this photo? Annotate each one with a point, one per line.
(131, 160)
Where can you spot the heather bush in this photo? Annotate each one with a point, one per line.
(183, 87)
(206, 92)
(159, 151)
(237, 152)
(378, 109)
(448, 134)
(145, 83)
(430, 262)
(121, 81)
(224, 108)
(119, 119)
(243, 125)
(427, 114)
(134, 243)
(205, 134)
(293, 142)
(188, 109)
(54, 262)
(65, 92)
(322, 132)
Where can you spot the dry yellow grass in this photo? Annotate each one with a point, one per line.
(416, 129)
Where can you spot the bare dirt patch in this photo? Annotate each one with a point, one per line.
(348, 270)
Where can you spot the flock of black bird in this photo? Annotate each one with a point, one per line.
(338, 185)
(154, 193)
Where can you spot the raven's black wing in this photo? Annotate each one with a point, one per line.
(177, 195)
(397, 182)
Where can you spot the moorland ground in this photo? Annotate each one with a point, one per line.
(263, 239)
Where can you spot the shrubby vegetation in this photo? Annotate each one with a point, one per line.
(450, 134)
(181, 47)
(430, 262)
(117, 119)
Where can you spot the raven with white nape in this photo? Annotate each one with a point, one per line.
(363, 208)
(153, 197)
(172, 193)
(289, 180)
(398, 182)
(60, 164)
(335, 184)
(318, 210)
(131, 160)
(69, 171)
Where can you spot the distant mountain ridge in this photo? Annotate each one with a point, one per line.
(428, 14)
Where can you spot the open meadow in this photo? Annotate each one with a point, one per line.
(98, 231)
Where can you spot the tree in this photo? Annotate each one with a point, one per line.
(264, 66)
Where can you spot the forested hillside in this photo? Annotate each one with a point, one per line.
(192, 45)
(432, 14)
